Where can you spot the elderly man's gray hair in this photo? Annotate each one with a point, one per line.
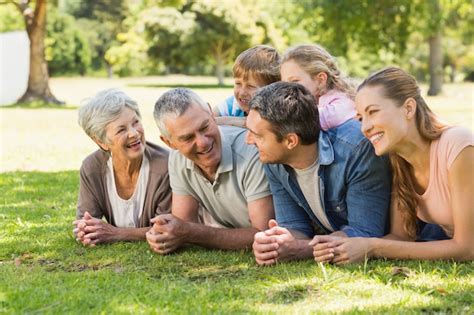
(102, 109)
(175, 102)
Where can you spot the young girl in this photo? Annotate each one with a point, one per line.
(432, 177)
(314, 68)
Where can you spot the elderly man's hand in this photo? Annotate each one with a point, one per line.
(91, 231)
(167, 234)
(272, 245)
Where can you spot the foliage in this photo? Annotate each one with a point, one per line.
(102, 21)
(204, 32)
(130, 57)
(10, 19)
(43, 270)
(141, 37)
(166, 31)
(67, 50)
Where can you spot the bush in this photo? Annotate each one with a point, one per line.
(67, 49)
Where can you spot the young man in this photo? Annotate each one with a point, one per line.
(211, 168)
(322, 182)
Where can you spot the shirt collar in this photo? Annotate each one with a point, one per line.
(326, 152)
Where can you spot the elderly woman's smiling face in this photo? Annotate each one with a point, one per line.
(125, 137)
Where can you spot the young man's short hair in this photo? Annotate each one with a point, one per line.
(289, 108)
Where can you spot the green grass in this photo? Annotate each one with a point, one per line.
(44, 270)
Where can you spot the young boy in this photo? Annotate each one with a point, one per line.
(254, 68)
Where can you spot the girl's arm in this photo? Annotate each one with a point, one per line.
(336, 112)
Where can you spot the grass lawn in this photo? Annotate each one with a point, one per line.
(44, 270)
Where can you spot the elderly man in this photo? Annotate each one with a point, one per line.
(212, 169)
(322, 182)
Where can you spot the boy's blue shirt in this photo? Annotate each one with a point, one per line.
(230, 107)
(355, 187)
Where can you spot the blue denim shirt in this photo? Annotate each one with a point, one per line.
(354, 186)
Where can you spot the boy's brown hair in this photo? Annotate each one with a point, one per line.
(261, 61)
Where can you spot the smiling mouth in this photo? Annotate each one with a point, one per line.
(208, 150)
(243, 100)
(135, 143)
(375, 138)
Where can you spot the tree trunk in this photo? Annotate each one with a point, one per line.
(436, 64)
(38, 86)
(220, 70)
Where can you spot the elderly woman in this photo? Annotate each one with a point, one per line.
(126, 181)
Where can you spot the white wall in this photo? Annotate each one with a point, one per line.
(14, 65)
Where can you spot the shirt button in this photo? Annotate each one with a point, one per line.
(338, 208)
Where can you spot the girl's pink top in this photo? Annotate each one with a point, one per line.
(335, 108)
(435, 203)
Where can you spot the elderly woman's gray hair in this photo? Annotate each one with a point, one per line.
(102, 109)
(175, 102)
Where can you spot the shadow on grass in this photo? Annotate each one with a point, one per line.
(189, 86)
(39, 105)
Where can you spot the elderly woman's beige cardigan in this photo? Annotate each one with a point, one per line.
(93, 196)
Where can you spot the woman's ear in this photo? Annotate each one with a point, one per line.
(410, 107)
(101, 144)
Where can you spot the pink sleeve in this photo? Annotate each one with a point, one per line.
(454, 140)
(335, 111)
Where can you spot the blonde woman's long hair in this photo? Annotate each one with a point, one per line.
(399, 86)
(314, 59)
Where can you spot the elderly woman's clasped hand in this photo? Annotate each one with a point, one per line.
(91, 231)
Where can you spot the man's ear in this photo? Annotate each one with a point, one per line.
(101, 144)
(410, 107)
(167, 142)
(292, 140)
(211, 111)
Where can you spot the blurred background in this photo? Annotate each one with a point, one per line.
(55, 53)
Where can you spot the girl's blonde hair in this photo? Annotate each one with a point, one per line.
(314, 59)
(399, 86)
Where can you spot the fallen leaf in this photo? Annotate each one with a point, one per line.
(441, 291)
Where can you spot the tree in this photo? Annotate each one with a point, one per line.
(105, 17)
(386, 26)
(223, 29)
(38, 78)
(167, 31)
(67, 50)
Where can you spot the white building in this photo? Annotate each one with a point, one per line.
(14, 65)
